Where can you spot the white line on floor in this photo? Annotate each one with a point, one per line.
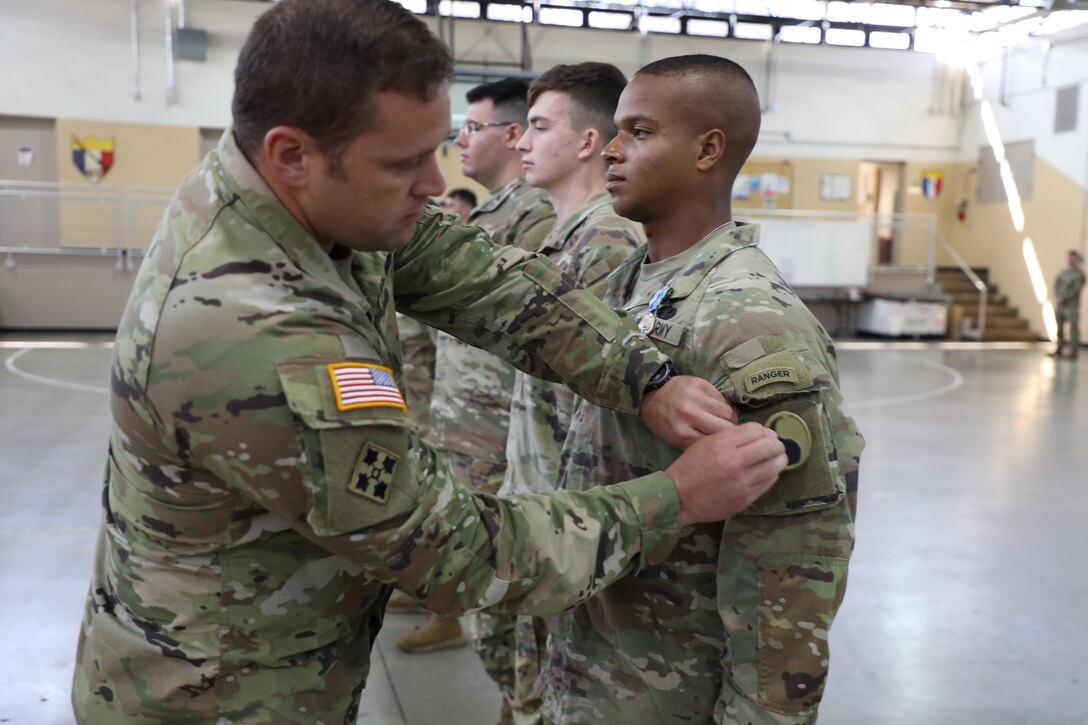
(10, 365)
(52, 344)
(955, 384)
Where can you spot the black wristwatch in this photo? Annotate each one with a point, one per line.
(664, 374)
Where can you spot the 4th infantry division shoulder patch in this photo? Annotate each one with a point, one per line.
(373, 476)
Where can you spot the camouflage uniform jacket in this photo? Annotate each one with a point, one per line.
(1068, 286)
(588, 246)
(417, 348)
(256, 510)
(470, 404)
(732, 626)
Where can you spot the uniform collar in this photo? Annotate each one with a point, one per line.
(699, 260)
(499, 196)
(561, 234)
(234, 177)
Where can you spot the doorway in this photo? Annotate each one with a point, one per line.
(880, 192)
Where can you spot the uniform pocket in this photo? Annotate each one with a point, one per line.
(777, 611)
(798, 598)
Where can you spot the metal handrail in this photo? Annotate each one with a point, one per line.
(13, 184)
(122, 201)
(983, 290)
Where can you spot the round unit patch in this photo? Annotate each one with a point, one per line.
(794, 434)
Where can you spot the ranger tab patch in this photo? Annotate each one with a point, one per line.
(362, 385)
(373, 475)
(757, 380)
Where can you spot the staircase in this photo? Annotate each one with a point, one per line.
(1003, 323)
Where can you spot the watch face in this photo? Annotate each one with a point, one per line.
(662, 376)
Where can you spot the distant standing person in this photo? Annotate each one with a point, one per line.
(1067, 288)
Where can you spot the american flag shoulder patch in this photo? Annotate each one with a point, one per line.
(362, 385)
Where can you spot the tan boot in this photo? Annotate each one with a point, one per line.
(437, 633)
(401, 603)
(506, 717)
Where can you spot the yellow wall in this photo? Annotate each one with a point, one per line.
(914, 248)
(806, 177)
(1053, 219)
(450, 164)
(144, 155)
(758, 168)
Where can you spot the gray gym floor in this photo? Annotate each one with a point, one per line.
(967, 603)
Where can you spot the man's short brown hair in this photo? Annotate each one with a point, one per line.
(594, 88)
(316, 65)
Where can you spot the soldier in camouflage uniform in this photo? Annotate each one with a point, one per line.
(570, 120)
(417, 342)
(732, 626)
(263, 486)
(471, 400)
(460, 202)
(417, 351)
(1067, 289)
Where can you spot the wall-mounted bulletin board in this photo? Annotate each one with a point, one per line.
(764, 185)
(836, 187)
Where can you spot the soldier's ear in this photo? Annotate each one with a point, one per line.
(711, 149)
(591, 144)
(291, 154)
(512, 134)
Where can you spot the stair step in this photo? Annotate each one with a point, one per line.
(971, 298)
(952, 272)
(960, 285)
(991, 311)
(1003, 323)
(1004, 335)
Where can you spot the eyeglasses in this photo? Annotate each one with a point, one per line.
(471, 128)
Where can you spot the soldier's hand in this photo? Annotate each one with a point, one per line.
(722, 474)
(685, 409)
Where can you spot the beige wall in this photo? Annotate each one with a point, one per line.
(66, 293)
(1053, 219)
(144, 155)
(806, 177)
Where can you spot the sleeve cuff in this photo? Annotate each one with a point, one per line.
(642, 360)
(655, 500)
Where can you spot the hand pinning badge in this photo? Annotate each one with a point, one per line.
(647, 321)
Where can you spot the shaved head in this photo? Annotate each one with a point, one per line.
(714, 93)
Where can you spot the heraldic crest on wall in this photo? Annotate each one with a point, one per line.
(932, 183)
(93, 156)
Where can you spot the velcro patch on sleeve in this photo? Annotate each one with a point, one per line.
(363, 385)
